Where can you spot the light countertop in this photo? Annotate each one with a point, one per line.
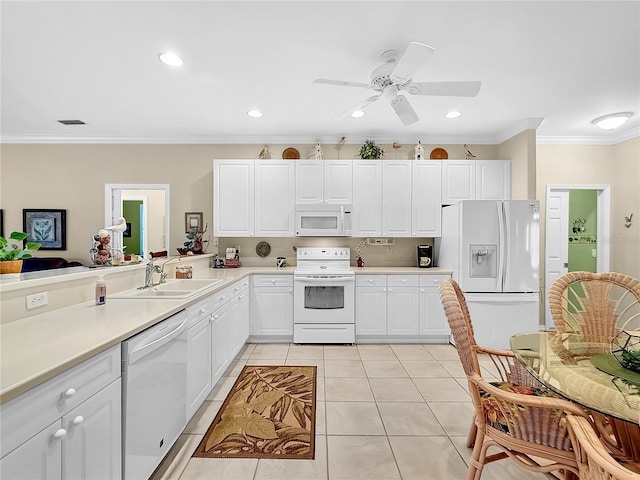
(35, 349)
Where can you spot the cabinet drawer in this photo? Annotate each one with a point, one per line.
(433, 280)
(402, 280)
(273, 280)
(219, 298)
(371, 280)
(238, 287)
(29, 413)
(199, 310)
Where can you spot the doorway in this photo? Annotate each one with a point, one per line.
(134, 237)
(575, 235)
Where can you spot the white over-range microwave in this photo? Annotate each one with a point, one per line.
(323, 220)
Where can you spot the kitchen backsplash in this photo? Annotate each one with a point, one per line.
(401, 254)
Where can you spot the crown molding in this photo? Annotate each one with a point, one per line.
(576, 140)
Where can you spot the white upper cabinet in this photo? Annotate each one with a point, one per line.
(475, 180)
(425, 199)
(338, 182)
(233, 198)
(396, 198)
(324, 181)
(274, 198)
(367, 198)
(493, 179)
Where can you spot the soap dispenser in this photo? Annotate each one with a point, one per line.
(101, 291)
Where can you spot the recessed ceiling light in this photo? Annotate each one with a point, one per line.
(453, 114)
(254, 113)
(170, 59)
(357, 114)
(612, 121)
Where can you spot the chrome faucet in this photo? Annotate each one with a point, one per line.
(149, 271)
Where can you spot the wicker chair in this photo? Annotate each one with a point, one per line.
(531, 430)
(595, 305)
(594, 460)
(507, 368)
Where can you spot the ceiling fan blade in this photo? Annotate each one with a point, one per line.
(412, 58)
(451, 89)
(341, 83)
(360, 106)
(404, 110)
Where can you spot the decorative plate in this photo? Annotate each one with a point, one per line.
(290, 154)
(439, 154)
(263, 249)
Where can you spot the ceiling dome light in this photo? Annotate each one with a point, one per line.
(254, 113)
(357, 114)
(170, 59)
(453, 114)
(612, 121)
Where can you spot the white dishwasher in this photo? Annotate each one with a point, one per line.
(154, 373)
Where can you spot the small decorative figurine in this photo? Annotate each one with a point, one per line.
(265, 153)
(467, 153)
(418, 151)
(316, 153)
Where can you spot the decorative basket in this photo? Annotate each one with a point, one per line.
(625, 348)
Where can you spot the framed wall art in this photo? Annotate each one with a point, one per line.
(46, 226)
(192, 221)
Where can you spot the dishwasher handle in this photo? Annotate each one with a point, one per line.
(145, 349)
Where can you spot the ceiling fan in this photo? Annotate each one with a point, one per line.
(394, 76)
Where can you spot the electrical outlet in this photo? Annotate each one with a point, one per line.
(37, 300)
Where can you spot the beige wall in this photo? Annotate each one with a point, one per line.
(73, 177)
(614, 165)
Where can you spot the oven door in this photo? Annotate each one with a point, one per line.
(324, 299)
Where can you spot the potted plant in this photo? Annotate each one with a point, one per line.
(371, 151)
(11, 254)
(195, 242)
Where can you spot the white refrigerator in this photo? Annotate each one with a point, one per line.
(492, 247)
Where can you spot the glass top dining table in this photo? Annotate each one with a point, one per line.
(565, 364)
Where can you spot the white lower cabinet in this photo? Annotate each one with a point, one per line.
(238, 316)
(400, 307)
(219, 343)
(68, 427)
(432, 318)
(272, 306)
(198, 355)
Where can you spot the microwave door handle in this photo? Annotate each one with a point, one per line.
(342, 218)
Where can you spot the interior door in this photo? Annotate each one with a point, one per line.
(556, 244)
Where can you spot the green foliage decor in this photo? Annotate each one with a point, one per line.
(370, 150)
(11, 250)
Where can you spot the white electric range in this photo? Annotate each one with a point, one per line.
(323, 296)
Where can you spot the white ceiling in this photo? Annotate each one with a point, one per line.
(559, 63)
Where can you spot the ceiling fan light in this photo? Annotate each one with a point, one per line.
(170, 59)
(453, 114)
(612, 121)
(357, 114)
(254, 113)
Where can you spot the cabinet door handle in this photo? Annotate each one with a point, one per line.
(371, 280)
(404, 280)
(223, 297)
(422, 289)
(60, 434)
(273, 281)
(215, 317)
(78, 420)
(241, 297)
(70, 392)
(390, 290)
(290, 290)
(202, 310)
(384, 289)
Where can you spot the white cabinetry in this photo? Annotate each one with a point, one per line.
(233, 198)
(400, 307)
(272, 306)
(198, 354)
(432, 318)
(70, 424)
(396, 198)
(367, 198)
(219, 335)
(324, 181)
(475, 180)
(426, 219)
(238, 316)
(274, 198)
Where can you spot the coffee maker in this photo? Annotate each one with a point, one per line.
(425, 256)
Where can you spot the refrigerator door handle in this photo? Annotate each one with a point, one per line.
(502, 245)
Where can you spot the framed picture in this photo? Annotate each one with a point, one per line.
(192, 221)
(46, 226)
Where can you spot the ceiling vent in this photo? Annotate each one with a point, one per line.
(71, 122)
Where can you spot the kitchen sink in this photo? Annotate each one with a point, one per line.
(179, 288)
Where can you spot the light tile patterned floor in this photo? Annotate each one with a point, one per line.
(384, 412)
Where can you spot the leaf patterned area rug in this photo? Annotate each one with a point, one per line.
(269, 413)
